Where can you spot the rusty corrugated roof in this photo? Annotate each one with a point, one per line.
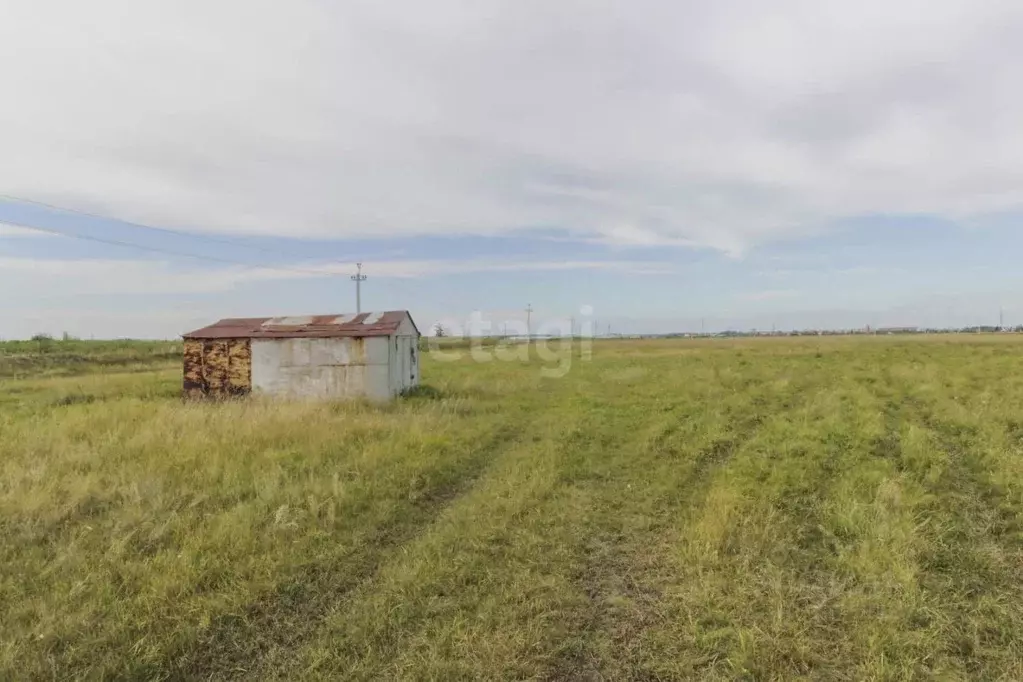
(304, 326)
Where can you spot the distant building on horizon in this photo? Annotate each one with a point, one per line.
(897, 330)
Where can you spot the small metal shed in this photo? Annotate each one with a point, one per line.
(372, 355)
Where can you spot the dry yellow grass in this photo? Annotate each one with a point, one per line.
(759, 509)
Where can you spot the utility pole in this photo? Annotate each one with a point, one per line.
(1001, 319)
(571, 327)
(358, 278)
(529, 319)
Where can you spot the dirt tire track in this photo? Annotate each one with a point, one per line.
(609, 567)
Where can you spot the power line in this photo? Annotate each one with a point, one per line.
(180, 233)
(185, 254)
(165, 230)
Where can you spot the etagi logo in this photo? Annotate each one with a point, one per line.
(554, 342)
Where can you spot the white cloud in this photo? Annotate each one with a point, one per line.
(425, 268)
(97, 276)
(768, 295)
(723, 125)
(104, 323)
(52, 280)
(15, 231)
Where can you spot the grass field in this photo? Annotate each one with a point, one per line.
(825, 509)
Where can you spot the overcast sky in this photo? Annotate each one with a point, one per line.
(665, 162)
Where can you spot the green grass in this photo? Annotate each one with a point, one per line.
(55, 357)
(819, 509)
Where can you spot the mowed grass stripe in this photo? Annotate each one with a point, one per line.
(972, 577)
(661, 475)
(662, 624)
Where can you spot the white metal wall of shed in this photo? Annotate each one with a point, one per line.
(411, 353)
(404, 363)
(322, 367)
(392, 365)
(407, 327)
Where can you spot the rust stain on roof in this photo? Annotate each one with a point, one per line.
(303, 326)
